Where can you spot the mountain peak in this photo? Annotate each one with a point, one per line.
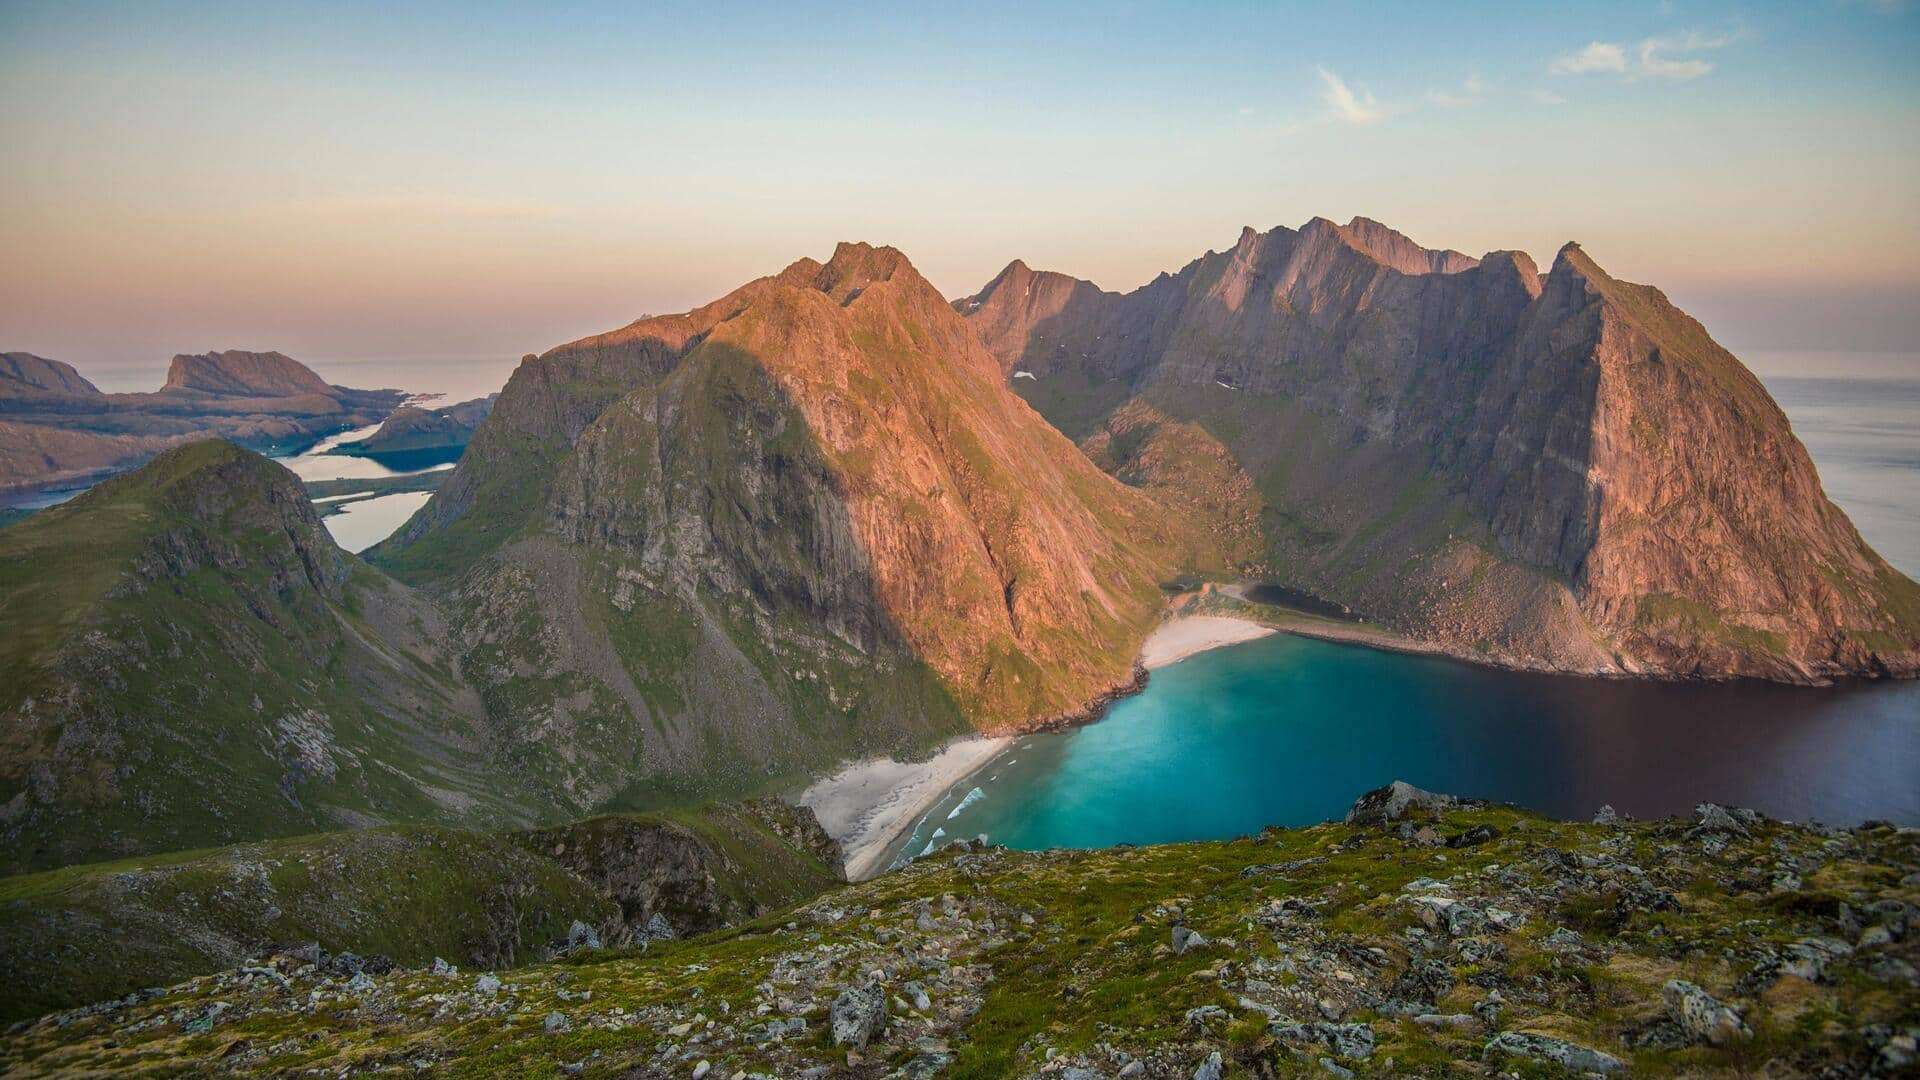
(239, 373)
(24, 374)
(855, 265)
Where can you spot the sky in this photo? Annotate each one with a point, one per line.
(347, 181)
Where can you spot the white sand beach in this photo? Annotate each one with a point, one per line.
(870, 805)
(1177, 639)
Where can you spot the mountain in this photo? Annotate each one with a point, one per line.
(1560, 471)
(237, 373)
(412, 428)
(187, 658)
(805, 522)
(57, 430)
(26, 375)
(1424, 936)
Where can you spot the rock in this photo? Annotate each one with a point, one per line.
(1557, 1051)
(1710, 817)
(1133, 1069)
(1479, 834)
(1808, 958)
(1564, 940)
(1381, 805)
(444, 969)
(1873, 937)
(1354, 1041)
(702, 1069)
(776, 1030)
(360, 983)
(582, 936)
(917, 996)
(1701, 1016)
(487, 984)
(1606, 815)
(657, 929)
(858, 1015)
(1210, 1069)
(1185, 940)
(1424, 980)
(1444, 1020)
(557, 1022)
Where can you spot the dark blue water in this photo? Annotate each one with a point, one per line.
(1287, 731)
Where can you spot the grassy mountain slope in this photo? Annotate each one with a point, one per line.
(401, 894)
(188, 658)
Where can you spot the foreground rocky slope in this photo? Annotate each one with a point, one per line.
(1559, 470)
(800, 524)
(366, 900)
(187, 658)
(1421, 937)
(59, 430)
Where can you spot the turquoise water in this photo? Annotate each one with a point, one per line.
(1288, 730)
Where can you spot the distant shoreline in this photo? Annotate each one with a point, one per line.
(871, 805)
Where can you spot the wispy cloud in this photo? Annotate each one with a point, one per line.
(1347, 105)
(1470, 93)
(1548, 97)
(1672, 57)
(1598, 56)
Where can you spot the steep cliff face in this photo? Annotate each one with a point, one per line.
(187, 658)
(805, 521)
(1563, 471)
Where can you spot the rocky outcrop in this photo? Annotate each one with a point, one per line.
(804, 522)
(1559, 471)
(673, 878)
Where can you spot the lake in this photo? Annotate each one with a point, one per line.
(362, 523)
(1289, 730)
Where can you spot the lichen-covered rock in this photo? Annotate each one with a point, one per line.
(1558, 1051)
(859, 1014)
(1702, 1016)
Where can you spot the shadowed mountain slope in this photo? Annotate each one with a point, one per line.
(1561, 471)
(805, 521)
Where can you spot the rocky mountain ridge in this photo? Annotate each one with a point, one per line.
(1558, 471)
(1427, 935)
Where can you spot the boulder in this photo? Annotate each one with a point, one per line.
(1701, 1016)
(858, 1015)
(1345, 1040)
(1390, 803)
(1549, 1049)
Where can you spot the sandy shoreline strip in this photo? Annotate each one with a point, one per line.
(1177, 639)
(871, 805)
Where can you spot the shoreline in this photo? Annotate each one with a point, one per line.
(1182, 636)
(870, 806)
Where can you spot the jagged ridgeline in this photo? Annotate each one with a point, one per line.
(803, 522)
(1562, 471)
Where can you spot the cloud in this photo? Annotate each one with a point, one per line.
(1667, 57)
(1597, 56)
(1470, 93)
(1358, 109)
(1548, 97)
